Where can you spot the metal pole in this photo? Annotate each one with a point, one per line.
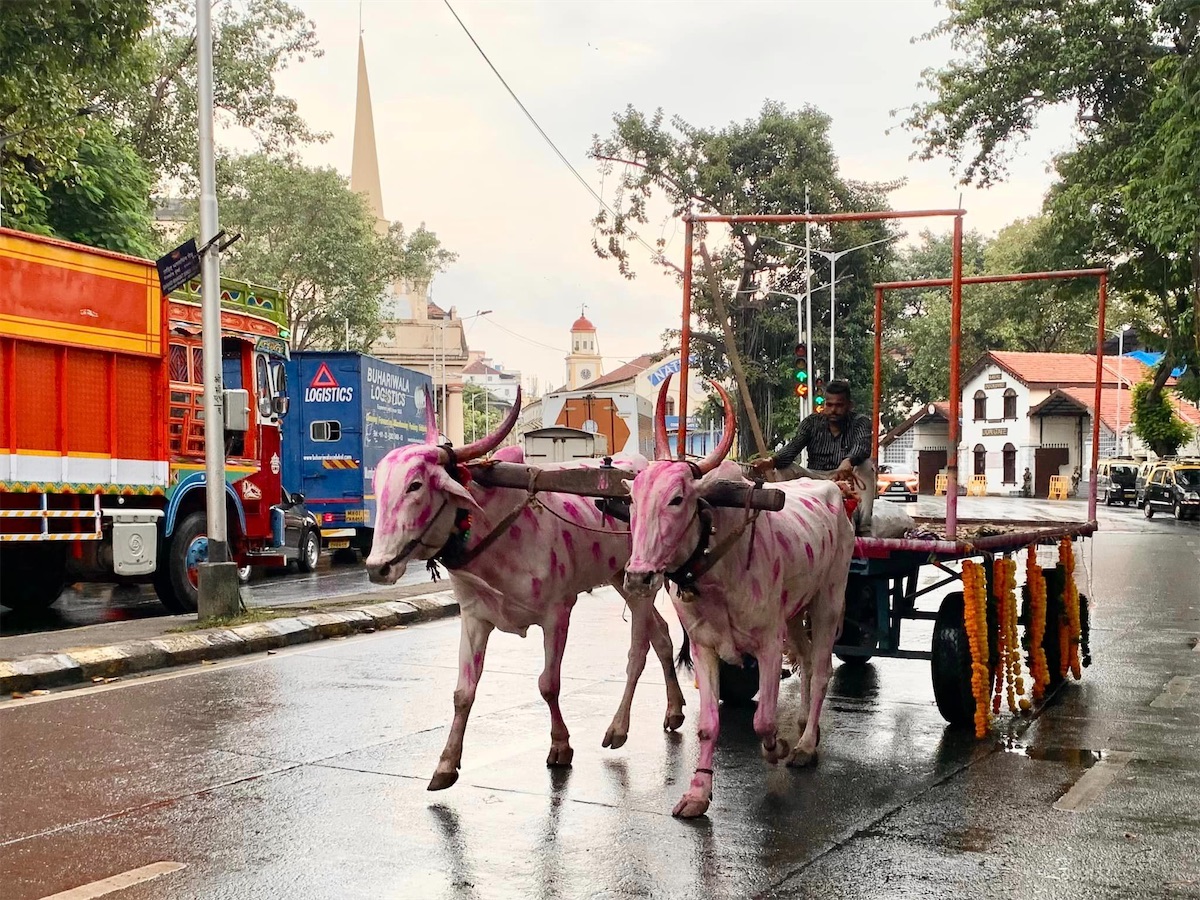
(1097, 397)
(218, 592)
(1120, 385)
(955, 388)
(806, 335)
(877, 383)
(832, 301)
(685, 339)
(347, 320)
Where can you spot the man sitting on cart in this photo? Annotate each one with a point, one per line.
(839, 449)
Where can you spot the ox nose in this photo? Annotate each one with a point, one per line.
(379, 572)
(642, 582)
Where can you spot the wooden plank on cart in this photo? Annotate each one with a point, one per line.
(611, 482)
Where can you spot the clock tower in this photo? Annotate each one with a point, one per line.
(583, 365)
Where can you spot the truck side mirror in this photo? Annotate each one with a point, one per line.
(280, 405)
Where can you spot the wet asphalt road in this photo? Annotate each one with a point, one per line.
(303, 774)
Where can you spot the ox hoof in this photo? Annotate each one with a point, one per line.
(614, 739)
(673, 722)
(560, 757)
(802, 758)
(778, 753)
(442, 780)
(690, 807)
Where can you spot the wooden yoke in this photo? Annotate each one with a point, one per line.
(610, 482)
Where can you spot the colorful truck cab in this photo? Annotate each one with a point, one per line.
(102, 423)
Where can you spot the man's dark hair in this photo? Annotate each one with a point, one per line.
(839, 386)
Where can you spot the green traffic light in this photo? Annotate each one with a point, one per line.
(801, 375)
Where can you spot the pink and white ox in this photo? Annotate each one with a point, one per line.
(753, 598)
(531, 572)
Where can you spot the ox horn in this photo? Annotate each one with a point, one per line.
(431, 429)
(662, 445)
(729, 429)
(486, 445)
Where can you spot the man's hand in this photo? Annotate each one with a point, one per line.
(845, 472)
(763, 465)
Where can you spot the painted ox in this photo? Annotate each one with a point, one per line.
(513, 563)
(749, 593)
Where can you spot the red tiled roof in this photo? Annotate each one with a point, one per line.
(478, 367)
(1061, 369)
(940, 408)
(434, 311)
(1110, 414)
(630, 370)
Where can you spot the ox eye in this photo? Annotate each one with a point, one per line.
(415, 486)
(676, 501)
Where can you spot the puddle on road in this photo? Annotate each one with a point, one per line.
(1074, 756)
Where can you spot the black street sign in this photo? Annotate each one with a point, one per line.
(179, 266)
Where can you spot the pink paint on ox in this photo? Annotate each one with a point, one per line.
(752, 599)
(519, 580)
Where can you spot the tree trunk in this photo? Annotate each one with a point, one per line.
(731, 348)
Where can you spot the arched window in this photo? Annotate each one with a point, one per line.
(980, 405)
(670, 406)
(1010, 461)
(1010, 404)
(980, 460)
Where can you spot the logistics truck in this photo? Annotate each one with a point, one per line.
(351, 410)
(102, 423)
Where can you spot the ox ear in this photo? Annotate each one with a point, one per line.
(457, 492)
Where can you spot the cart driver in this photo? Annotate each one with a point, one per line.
(838, 441)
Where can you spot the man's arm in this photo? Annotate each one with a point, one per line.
(788, 454)
(860, 440)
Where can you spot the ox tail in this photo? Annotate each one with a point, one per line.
(684, 659)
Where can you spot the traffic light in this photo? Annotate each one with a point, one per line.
(819, 395)
(800, 371)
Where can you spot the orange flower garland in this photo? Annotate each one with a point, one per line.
(1004, 582)
(1070, 656)
(975, 622)
(1035, 628)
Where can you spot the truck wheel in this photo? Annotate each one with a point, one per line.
(177, 580)
(310, 552)
(32, 576)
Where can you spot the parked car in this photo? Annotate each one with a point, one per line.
(1143, 476)
(895, 482)
(1175, 487)
(1116, 481)
(301, 536)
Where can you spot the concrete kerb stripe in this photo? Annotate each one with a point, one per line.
(75, 666)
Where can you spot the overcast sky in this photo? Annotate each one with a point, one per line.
(456, 153)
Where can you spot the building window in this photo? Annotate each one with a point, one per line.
(1010, 461)
(1010, 404)
(980, 405)
(670, 406)
(980, 460)
(326, 431)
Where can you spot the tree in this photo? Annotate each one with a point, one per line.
(1129, 192)
(306, 232)
(762, 165)
(482, 413)
(1156, 422)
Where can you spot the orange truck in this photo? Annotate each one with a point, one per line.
(102, 423)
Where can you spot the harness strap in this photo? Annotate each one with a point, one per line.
(703, 558)
(463, 557)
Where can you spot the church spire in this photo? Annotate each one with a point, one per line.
(364, 165)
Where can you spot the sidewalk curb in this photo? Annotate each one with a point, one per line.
(48, 670)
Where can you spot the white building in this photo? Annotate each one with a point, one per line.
(499, 382)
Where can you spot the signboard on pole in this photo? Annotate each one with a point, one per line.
(178, 267)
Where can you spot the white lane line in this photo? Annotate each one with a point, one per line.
(1172, 693)
(1093, 781)
(118, 882)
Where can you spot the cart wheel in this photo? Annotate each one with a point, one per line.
(860, 609)
(738, 685)
(950, 666)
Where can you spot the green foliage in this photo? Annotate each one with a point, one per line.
(305, 231)
(1129, 192)
(481, 414)
(1156, 422)
(761, 165)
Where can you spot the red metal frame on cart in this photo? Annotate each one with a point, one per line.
(956, 286)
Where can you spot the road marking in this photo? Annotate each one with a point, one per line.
(118, 882)
(1084, 791)
(1172, 693)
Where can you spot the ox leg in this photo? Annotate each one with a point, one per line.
(825, 620)
(802, 640)
(554, 633)
(471, 649)
(696, 799)
(649, 628)
(770, 658)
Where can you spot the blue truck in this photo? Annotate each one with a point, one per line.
(353, 409)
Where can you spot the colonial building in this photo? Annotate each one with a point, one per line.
(584, 363)
(500, 383)
(920, 443)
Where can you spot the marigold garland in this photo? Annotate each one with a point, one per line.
(975, 623)
(1004, 583)
(1070, 643)
(1035, 579)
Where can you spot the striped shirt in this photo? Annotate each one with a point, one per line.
(825, 449)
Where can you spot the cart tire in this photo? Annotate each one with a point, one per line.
(738, 685)
(1055, 581)
(950, 666)
(860, 599)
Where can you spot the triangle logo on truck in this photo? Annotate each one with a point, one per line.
(324, 378)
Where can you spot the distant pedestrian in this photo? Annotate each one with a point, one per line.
(1027, 483)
